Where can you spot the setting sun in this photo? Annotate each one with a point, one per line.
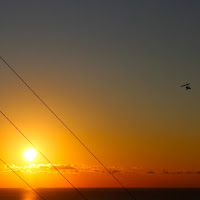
(30, 154)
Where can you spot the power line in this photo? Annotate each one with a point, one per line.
(22, 179)
(43, 155)
(64, 124)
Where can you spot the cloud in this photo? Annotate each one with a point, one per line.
(72, 168)
(41, 168)
(75, 169)
(64, 168)
(189, 172)
(180, 172)
(150, 172)
(165, 171)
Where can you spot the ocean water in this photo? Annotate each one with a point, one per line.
(101, 194)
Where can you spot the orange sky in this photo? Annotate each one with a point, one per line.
(136, 160)
(146, 151)
(130, 141)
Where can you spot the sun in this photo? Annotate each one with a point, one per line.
(30, 154)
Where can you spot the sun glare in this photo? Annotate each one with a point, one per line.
(30, 154)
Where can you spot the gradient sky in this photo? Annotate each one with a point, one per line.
(112, 70)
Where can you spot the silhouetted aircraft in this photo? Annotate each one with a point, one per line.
(187, 86)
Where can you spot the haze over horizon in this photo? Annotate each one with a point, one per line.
(112, 70)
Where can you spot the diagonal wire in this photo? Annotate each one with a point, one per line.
(63, 123)
(43, 155)
(22, 179)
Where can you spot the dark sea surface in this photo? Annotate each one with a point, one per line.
(104, 194)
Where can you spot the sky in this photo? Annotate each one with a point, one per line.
(112, 71)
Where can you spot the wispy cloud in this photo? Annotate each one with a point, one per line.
(179, 172)
(74, 169)
(65, 168)
(39, 168)
(150, 172)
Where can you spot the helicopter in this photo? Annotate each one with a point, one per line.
(187, 86)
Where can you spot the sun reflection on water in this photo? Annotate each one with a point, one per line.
(30, 195)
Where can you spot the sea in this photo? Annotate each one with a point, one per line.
(102, 194)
